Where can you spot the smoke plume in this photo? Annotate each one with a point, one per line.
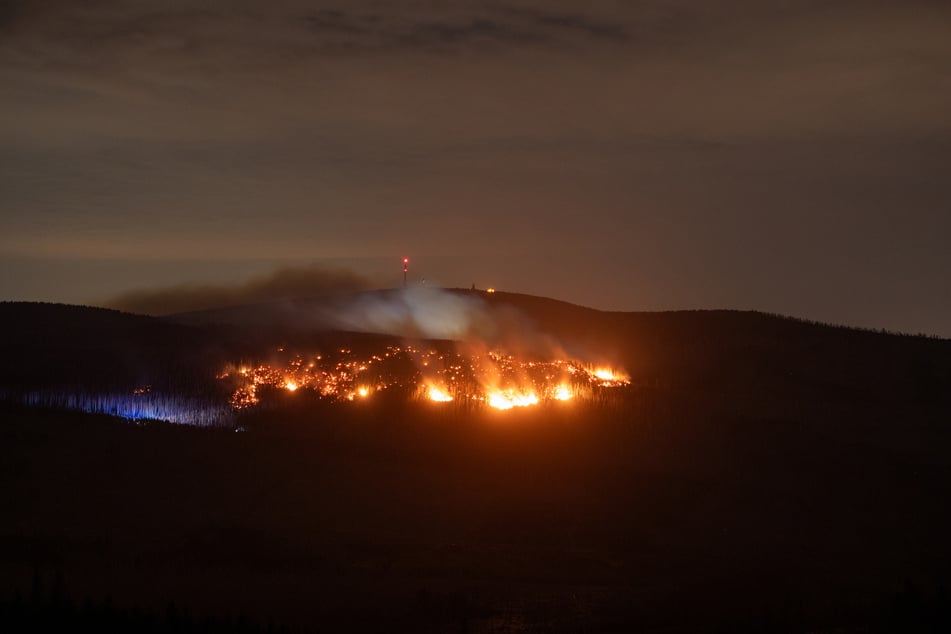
(436, 313)
(282, 284)
(310, 299)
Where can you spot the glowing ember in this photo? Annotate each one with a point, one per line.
(440, 373)
(609, 377)
(510, 399)
(435, 394)
(562, 393)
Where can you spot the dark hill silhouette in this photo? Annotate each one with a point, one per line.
(47, 345)
(771, 362)
(714, 349)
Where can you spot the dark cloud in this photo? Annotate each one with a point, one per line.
(108, 35)
(283, 284)
(572, 22)
(447, 34)
(453, 29)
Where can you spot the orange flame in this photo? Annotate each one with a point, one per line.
(609, 377)
(496, 379)
(438, 395)
(510, 398)
(562, 393)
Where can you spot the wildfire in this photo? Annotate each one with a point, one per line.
(609, 377)
(510, 399)
(562, 393)
(440, 374)
(438, 395)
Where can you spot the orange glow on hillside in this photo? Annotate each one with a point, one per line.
(437, 373)
(562, 393)
(609, 377)
(510, 398)
(438, 395)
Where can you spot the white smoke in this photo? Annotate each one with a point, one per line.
(435, 313)
(418, 312)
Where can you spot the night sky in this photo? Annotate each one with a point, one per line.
(786, 156)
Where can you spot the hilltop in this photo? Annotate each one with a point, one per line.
(735, 352)
(739, 351)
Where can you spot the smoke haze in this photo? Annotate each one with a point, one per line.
(433, 313)
(315, 298)
(282, 284)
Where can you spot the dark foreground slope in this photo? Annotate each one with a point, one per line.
(762, 475)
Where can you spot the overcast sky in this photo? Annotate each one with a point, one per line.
(788, 156)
